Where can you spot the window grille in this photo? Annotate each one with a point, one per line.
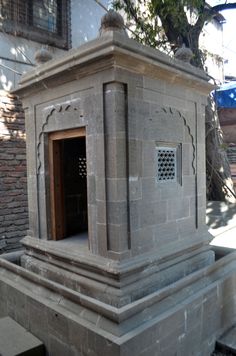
(82, 167)
(166, 164)
(45, 21)
(78, 166)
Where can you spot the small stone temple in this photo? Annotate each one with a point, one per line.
(117, 258)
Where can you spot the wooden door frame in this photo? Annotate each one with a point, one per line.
(57, 204)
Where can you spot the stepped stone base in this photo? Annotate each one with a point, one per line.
(111, 282)
(15, 340)
(199, 308)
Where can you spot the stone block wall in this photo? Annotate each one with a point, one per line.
(13, 188)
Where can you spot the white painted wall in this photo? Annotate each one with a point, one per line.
(12, 51)
(211, 40)
(85, 23)
(85, 20)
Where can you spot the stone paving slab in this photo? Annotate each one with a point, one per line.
(15, 340)
(220, 215)
(227, 342)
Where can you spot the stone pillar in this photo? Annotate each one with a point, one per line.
(116, 166)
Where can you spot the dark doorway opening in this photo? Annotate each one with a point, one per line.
(68, 183)
(75, 185)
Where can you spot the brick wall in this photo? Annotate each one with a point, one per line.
(13, 189)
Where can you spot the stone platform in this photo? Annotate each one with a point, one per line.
(184, 317)
(17, 341)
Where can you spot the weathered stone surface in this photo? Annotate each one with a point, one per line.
(226, 343)
(184, 318)
(15, 340)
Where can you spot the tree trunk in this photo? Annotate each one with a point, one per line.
(219, 182)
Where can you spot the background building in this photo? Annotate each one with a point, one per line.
(211, 44)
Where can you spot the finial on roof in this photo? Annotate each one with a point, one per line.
(112, 21)
(42, 55)
(184, 54)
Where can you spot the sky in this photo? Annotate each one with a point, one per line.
(229, 38)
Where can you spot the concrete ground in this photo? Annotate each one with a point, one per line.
(221, 219)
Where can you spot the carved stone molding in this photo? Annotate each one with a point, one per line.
(170, 112)
(59, 108)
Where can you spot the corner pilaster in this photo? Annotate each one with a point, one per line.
(116, 166)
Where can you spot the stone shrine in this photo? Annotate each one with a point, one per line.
(117, 258)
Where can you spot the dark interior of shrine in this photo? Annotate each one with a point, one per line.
(74, 180)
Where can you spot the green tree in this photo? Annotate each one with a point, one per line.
(167, 25)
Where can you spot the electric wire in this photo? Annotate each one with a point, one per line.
(15, 47)
(12, 70)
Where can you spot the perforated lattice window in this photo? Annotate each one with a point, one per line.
(78, 166)
(82, 167)
(166, 164)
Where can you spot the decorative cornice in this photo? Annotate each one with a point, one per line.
(118, 51)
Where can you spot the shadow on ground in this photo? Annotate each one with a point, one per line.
(220, 214)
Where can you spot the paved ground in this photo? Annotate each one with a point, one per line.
(221, 219)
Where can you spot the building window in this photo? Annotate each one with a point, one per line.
(44, 21)
(45, 15)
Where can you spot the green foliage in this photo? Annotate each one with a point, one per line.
(146, 28)
(166, 24)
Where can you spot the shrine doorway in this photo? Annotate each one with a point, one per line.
(68, 183)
